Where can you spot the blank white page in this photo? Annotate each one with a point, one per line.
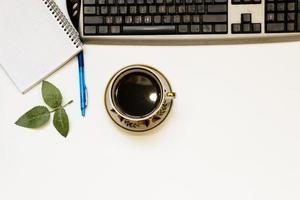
(32, 43)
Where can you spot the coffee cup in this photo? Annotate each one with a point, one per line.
(138, 98)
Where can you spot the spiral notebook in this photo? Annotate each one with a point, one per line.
(35, 40)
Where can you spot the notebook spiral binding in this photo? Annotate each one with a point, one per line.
(64, 22)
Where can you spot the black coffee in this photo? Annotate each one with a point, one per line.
(137, 94)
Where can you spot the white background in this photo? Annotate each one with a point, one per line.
(233, 133)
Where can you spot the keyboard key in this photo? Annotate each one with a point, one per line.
(176, 19)
(236, 28)
(270, 7)
(113, 10)
(291, 17)
(172, 9)
(256, 28)
(152, 9)
(280, 17)
(291, 27)
(162, 9)
(280, 6)
(246, 18)
(136, 30)
(169, 1)
(217, 8)
(93, 20)
(221, 28)
(118, 20)
(115, 29)
(183, 28)
(246, 1)
(103, 10)
(275, 27)
(148, 19)
(186, 18)
(214, 18)
(142, 9)
(200, 9)
(291, 6)
(103, 29)
(133, 9)
(101, 2)
(88, 2)
(90, 29)
(138, 19)
(157, 19)
(196, 18)
(270, 17)
(221, 1)
(167, 19)
(89, 10)
(123, 10)
(109, 20)
(246, 28)
(208, 1)
(207, 28)
(191, 9)
(181, 9)
(128, 20)
(195, 28)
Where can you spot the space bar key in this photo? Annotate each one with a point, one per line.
(149, 29)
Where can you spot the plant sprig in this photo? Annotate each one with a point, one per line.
(40, 115)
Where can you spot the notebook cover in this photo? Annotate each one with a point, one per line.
(35, 40)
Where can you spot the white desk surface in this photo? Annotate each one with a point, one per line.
(233, 133)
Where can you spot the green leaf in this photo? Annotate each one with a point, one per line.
(34, 118)
(61, 122)
(51, 95)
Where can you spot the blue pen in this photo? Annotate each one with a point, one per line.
(83, 89)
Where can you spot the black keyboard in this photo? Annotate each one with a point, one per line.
(203, 19)
(141, 17)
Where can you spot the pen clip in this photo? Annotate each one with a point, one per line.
(86, 96)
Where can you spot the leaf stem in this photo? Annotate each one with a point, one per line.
(62, 106)
(68, 103)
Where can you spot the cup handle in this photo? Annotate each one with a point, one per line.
(171, 95)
